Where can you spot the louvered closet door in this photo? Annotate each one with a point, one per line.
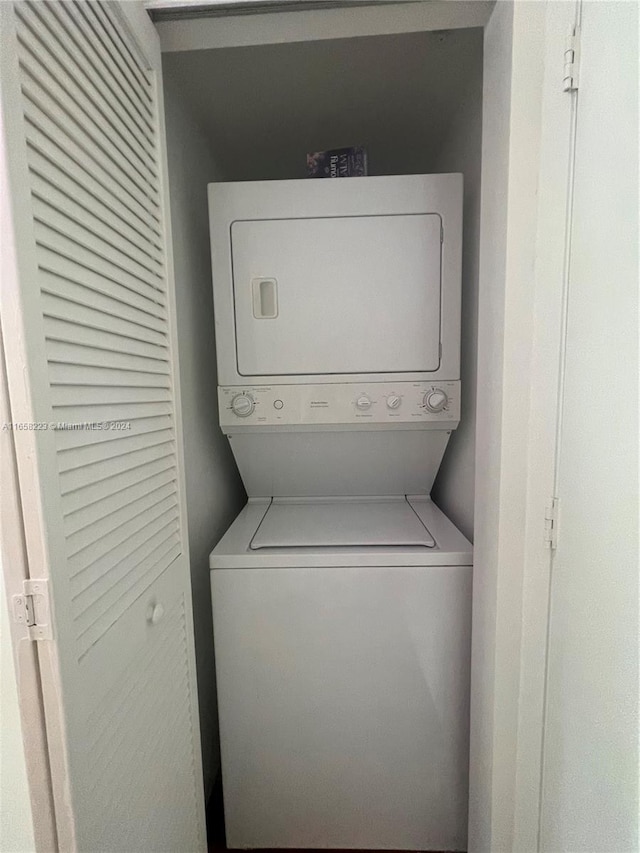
(89, 327)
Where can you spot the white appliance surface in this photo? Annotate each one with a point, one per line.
(363, 298)
(234, 550)
(341, 594)
(343, 688)
(347, 522)
(357, 404)
(350, 280)
(305, 463)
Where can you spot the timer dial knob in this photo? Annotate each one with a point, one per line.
(393, 401)
(242, 405)
(435, 400)
(363, 403)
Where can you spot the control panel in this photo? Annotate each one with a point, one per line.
(349, 403)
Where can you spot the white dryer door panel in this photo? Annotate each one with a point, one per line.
(337, 295)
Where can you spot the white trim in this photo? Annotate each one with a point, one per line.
(232, 7)
(195, 5)
(522, 242)
(557, 120)
(27, 394)
(517, 437)
(16, 570)
(318, 24)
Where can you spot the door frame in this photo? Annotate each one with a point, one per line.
(31, 728)
(524, 229)
(559, 110)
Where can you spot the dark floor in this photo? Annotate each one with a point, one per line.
(215, 829)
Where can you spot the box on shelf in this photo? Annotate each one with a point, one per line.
(338, 163)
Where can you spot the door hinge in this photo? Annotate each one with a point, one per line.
(571, 61)
(31, 609)
(551, 524)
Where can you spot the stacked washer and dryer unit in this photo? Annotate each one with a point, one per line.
(341, 593)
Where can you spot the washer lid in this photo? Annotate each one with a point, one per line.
(331, 522)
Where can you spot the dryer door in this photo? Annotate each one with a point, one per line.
(337, 295)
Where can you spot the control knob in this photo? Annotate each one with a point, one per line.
(393, 401)
(363, 403)
(435, 400)
(242, 405)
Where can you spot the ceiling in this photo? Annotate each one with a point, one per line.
(264, 107)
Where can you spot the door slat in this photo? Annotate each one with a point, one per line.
(108, 523)
(71, 124)
(100, 451)
(67, 353)
(48, 41)
(55, 184)
(107, 491)
(87, 235)
(60, 307)
(86, 163)
(89, 514)
(107, 611)
(80, 18)
(92, 474)
(94, 276)
(127, 59)
(62, 330)
(102, 557)
(56, 99)
(77, 37)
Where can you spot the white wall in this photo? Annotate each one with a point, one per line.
(214, 490)
(591, 762)
(16, 824)
(264, 107)
(461, 151)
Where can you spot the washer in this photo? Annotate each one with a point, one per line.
(343, 674)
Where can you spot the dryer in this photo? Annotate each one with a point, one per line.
(337, 310)
(341, 605)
